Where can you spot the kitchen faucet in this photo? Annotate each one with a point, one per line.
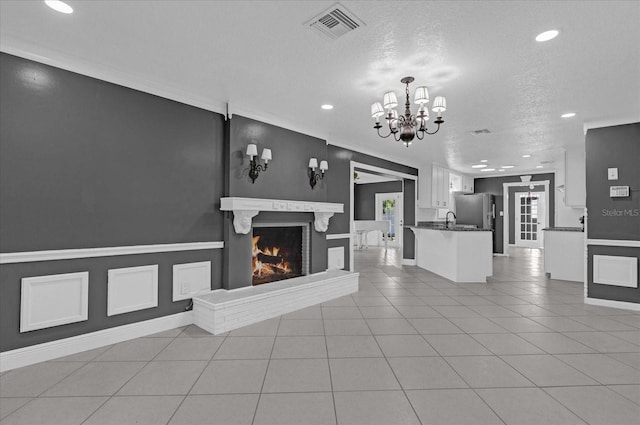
(446, 219)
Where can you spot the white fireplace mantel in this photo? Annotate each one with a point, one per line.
(244, 209)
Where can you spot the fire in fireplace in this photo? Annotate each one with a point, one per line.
(277, 253)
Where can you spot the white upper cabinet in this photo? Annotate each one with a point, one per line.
(575, 177)
(436, 183)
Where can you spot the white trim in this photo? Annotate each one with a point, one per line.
(64, 347)
(38, 312)
(613, 242)
(615, 270)
(383, 171)
(610, 122)
(67, 254)
(612, 304)
(334, 236)
(505, 207)
(190, 279)
(132, 289)
(409, 262)
(244, 209)
(111, 75)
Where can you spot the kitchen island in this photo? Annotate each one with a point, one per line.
(460, 254)
(564, 254)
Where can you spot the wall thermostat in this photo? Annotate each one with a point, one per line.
(618, 191)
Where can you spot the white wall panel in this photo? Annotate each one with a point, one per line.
(335, 258)
(131, 289)
(614, 270)
(190, 279)
(53, 300)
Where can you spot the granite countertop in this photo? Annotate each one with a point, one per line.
(565, 229)
(450, 229)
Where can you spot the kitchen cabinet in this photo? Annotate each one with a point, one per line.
(467, 184)
(440, 188)
(575, 177)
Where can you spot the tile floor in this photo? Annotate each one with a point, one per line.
(408, 348)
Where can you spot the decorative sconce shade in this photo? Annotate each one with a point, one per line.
(390, 100)
(422, 95)
(439, 104)
(313, 175)
(252, 150)
(254, 164)
(376, 110)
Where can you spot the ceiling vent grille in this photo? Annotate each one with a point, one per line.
(334, 22)
(479, 132)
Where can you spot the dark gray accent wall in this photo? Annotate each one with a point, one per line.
(613, 147)
(88, 164)
(493, 185)
(287, 174)
(408, 240)
(364, 197)
(85, 163)
(339, 190)
(285, 178)
(10, 275)
(616, 219)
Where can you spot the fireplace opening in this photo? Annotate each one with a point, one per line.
(278, 252)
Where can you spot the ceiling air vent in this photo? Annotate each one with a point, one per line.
(479, 132)
(334, 22)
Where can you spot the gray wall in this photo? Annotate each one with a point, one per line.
(493, 185)
(613, 218)
(364, 198)
(84, 164)
(339, 191)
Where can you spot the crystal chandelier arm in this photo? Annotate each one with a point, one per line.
(425, 130)
(378, 127)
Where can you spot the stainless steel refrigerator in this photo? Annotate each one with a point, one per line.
(477, 209)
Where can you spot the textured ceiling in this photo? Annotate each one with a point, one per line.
(259, 58)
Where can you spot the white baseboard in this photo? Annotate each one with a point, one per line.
(76, 344)
(409, 262)
(613, 304)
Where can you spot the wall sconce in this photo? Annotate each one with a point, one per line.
(255, 166)
(313, 176)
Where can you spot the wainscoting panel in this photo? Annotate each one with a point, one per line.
(616, 271)
(131, 289)
(53, 300)
(336, 258)
(191, 279)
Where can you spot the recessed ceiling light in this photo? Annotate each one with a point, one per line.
(501, 169)
(59, 6)
(526, 155)
(488, 169)
(478, 166)
(508, 166)
(568, 115)
(327, 107)
(538, 166)
(547, 35)
(483, 160)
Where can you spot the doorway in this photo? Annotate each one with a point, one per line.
(513, 221)
(389, 206)
(529, 210)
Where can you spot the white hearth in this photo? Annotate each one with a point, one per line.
(221, 310)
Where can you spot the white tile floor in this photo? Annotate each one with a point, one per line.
(408, 348)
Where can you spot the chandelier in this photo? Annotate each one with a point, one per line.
(406, 127)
